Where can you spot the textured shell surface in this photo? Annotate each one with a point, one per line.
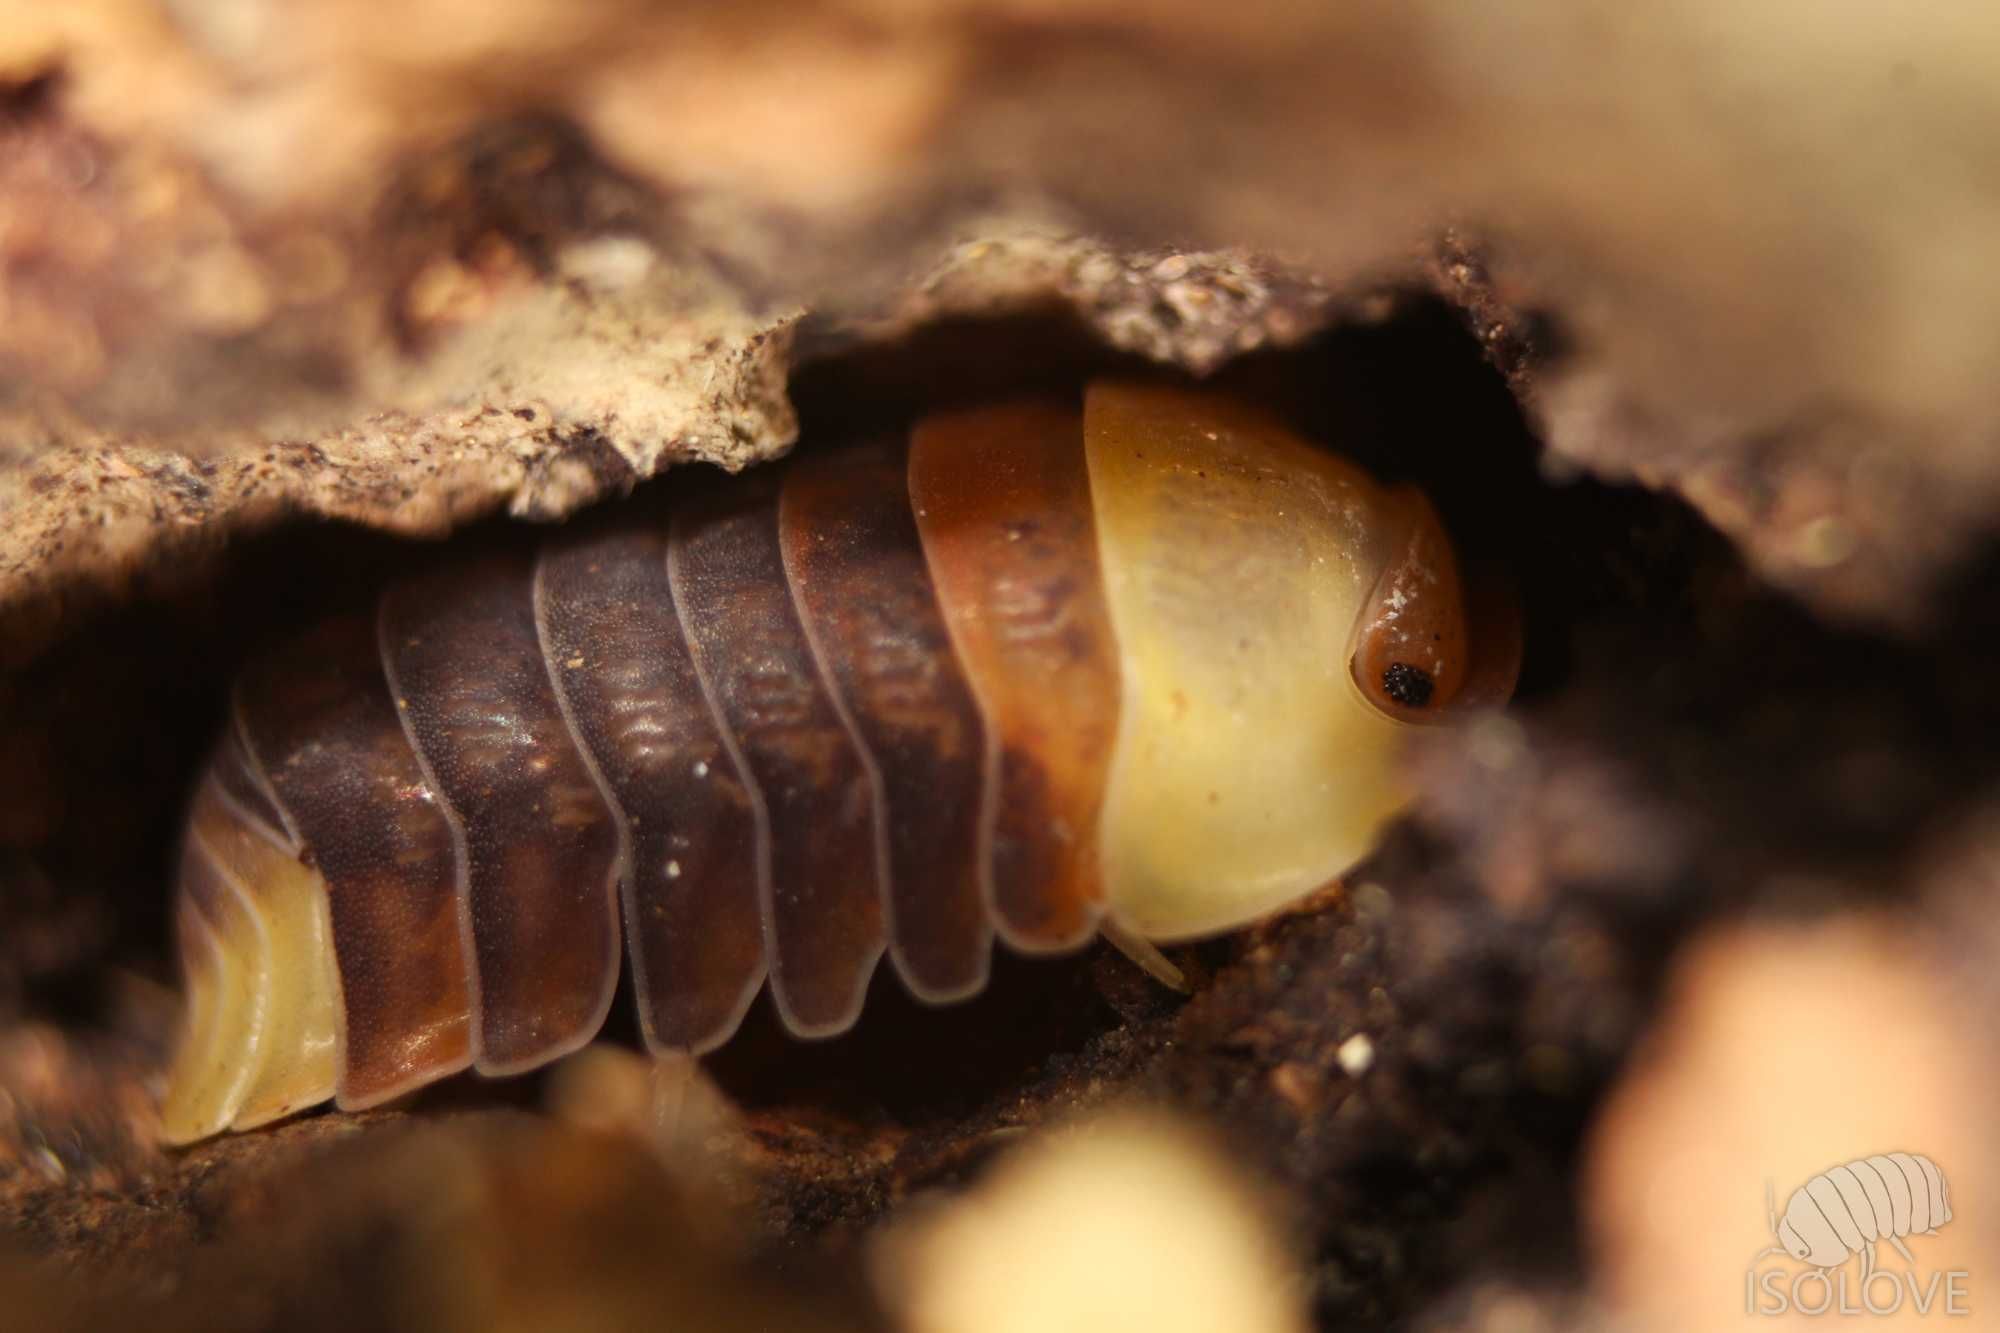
(1030, 672)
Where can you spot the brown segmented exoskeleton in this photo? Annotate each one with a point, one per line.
(1142, 669)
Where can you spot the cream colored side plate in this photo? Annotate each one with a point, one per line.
(300, 1062)
(224, 1041)
(261, 1037)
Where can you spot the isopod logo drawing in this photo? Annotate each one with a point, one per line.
(1847, 1212)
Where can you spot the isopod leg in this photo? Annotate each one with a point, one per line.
(1145, 955)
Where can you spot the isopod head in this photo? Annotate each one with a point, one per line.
(1282, 621)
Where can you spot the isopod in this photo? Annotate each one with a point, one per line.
(1031, 672)
(1847, 1210)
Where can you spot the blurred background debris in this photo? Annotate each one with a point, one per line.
(1128, 1221)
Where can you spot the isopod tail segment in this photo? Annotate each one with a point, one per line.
(1029, 673)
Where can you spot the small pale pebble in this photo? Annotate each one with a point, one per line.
(1356, 1054)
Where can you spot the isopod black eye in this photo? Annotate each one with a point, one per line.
(1410, 686)
(1412, 647)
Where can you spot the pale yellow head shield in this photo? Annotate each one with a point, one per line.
(1283, 620)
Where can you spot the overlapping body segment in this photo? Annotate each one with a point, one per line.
(1029, 669)
(322, 729)
(1002, 499)
(818, 879)
(856, 566)
(537, 845)
(690, 855)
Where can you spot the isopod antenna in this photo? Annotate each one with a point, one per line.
(1770, 1216)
